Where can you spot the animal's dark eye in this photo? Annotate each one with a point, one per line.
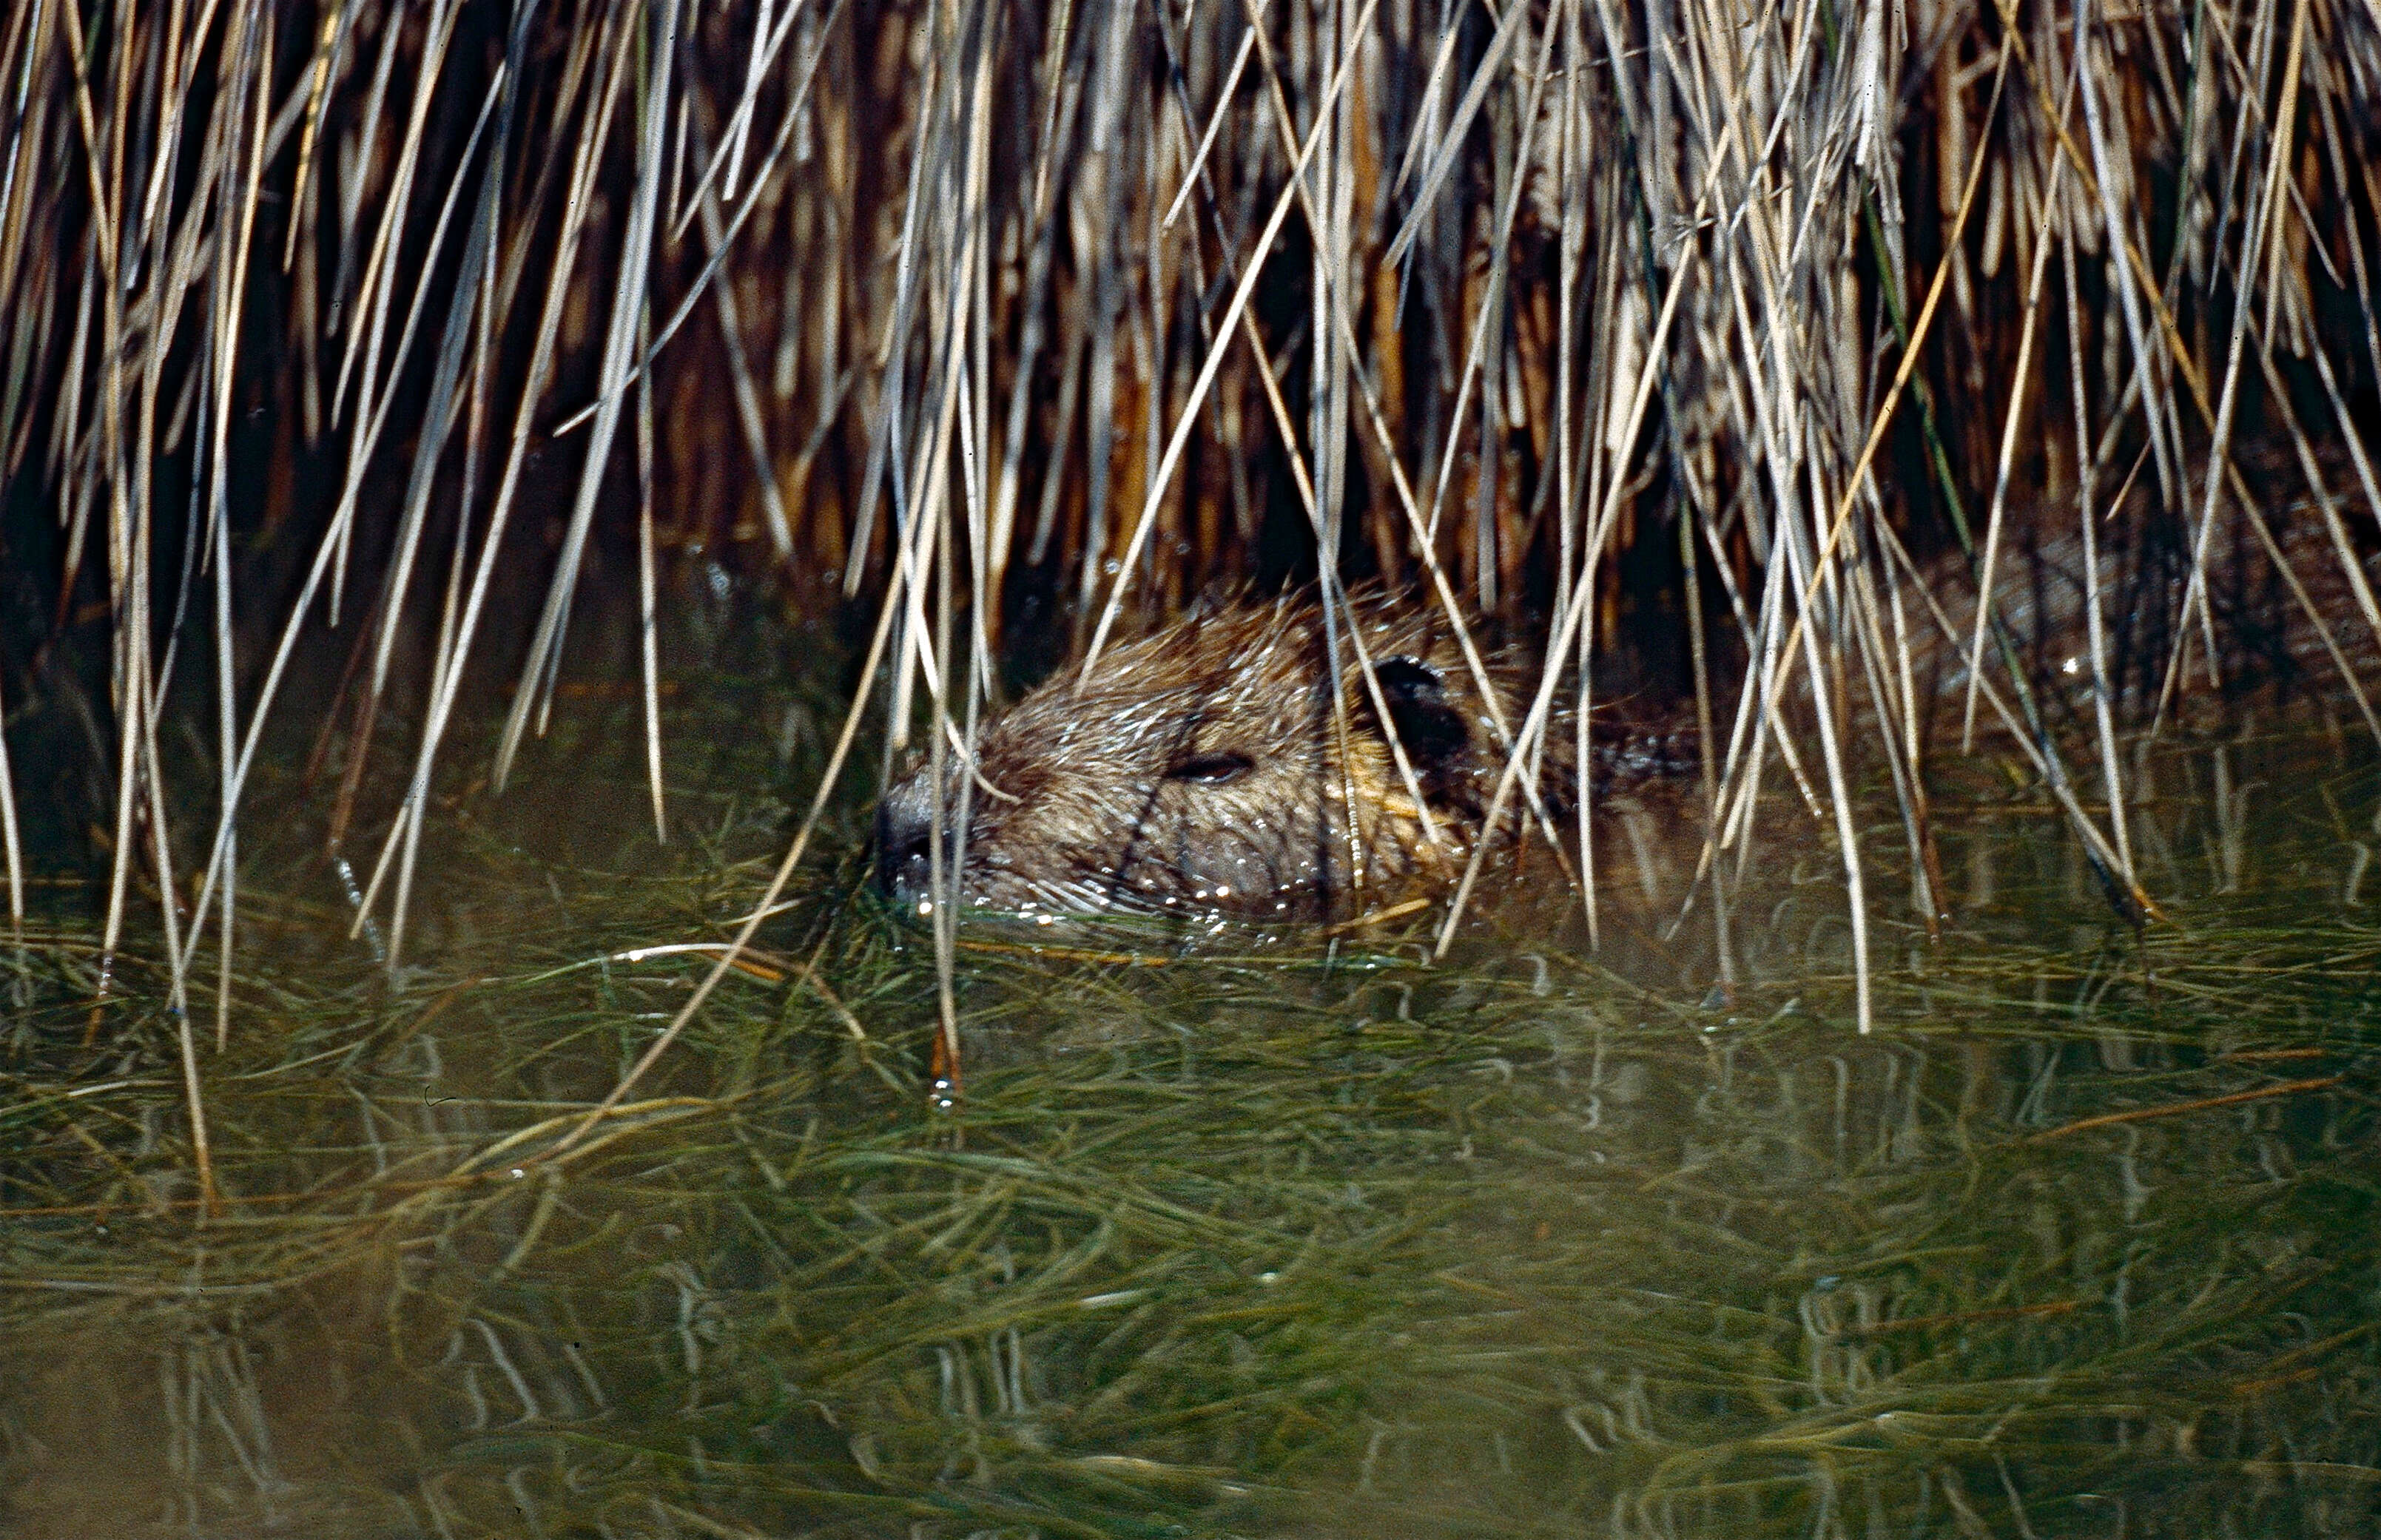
(1212, 769)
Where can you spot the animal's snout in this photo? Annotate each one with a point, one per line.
(905, 824)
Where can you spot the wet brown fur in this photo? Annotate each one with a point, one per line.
(1213, 768)
(1225, 765)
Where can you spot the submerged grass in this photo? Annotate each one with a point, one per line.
(1314, 1239)
(321, 1204)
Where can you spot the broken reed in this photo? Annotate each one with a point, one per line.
(374, 316)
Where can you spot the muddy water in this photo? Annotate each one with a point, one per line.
(1298, 1237)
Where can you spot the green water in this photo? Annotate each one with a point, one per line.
(1301, 1238)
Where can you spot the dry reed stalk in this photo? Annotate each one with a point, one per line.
(1616, 287)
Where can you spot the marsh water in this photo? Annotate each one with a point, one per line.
(1295, 1234)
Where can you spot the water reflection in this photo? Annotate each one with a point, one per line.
(1303, 1243)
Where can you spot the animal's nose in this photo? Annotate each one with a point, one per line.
(904, 827)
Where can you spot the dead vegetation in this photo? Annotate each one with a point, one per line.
(406, 329)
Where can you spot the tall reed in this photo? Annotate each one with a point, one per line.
(358, 318)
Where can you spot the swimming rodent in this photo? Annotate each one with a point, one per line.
(1227, 765)
(1224, 765)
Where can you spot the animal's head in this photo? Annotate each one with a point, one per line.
(1210, 769)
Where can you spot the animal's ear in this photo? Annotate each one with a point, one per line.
(1425, 716)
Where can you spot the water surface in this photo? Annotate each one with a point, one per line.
(1287, 1236)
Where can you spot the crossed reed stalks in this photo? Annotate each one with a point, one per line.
(1575, 312)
